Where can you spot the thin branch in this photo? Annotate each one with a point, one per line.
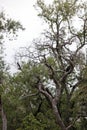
(44, 92)
(74, 87)
(30, 95)
(73, 122)
(52, 71)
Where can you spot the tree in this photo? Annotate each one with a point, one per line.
(54, 52)
(7, 27)
(23, 104)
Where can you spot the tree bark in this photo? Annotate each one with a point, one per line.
(55, 109)
(4, 120)
(57, 115)
(3, 116)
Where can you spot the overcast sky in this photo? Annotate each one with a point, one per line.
(23, 11)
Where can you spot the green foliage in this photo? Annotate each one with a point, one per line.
(17, 100)
(59, 8)
(31, 123)
(25, 107)
(8, 27)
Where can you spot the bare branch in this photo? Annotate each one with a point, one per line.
(73, 122)
(30, 95)
(44, 92)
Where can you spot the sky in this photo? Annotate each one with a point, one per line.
(23, 11)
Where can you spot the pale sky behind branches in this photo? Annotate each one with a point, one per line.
(24, 12)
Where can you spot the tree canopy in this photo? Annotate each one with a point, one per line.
(48, 90)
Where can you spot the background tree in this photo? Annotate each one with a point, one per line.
(7, 27)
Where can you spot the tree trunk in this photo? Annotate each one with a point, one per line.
(3, 116)
(4, 120)
(57, 115)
